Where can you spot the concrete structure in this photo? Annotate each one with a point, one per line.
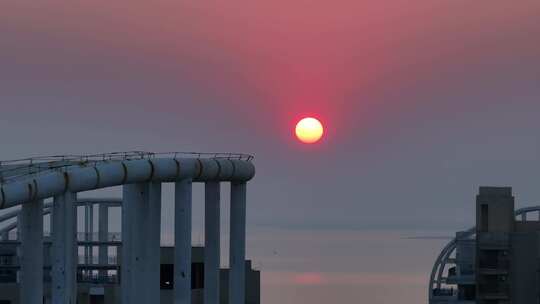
(92, 287)
(497, 261)
(28, 182)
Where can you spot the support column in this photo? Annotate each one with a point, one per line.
(64, 266)
(153, 244)
(127, 242)
(86, 233)
(182, 242)
(91, 230)
(211, 243)
(134, 254)
(31, 251)
(237, 255)
(5, 236)
(103, 231)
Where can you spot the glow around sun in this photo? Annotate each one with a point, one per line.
(309, 130)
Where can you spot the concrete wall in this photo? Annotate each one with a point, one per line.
(530, 226)
(499, 204)
(10, 292)
(524, 268)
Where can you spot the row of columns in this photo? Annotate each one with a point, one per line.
(103, 234)
(64, 251)
(141, 221)
(140, 258)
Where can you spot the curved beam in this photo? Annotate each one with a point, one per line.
(81, 177)
(13, 225)
(83, 201)
(14, 213)
(47, 209)
(8, 228)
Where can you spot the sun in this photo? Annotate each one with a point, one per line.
(309, 130)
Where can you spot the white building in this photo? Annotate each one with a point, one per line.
(26, 184)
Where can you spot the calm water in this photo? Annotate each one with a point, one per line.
(344, 266)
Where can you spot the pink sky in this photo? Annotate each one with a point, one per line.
(422, 102)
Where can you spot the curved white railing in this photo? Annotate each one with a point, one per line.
(39, 179)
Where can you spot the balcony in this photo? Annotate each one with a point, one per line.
(444, 292)
(493, 240)
(494, 291)
(96, 278)
(112, 237)
(461, 279)
(8, 275)
(493, 262)
(9, 261)
(111, 260)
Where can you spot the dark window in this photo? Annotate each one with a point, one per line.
(468, 292)
(197, 276)
(97, 299)
(6, 260)
(489, 259)
(167, 276)
(452, 271)
(5, 302)
(8, 276)
(484, 218)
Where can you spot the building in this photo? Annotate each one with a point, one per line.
(100, 283)
(497, 261)
(30, 188)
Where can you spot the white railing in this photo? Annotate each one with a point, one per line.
(12, 170)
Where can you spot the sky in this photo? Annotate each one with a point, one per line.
(422, 101)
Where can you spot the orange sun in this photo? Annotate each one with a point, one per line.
(309, 130)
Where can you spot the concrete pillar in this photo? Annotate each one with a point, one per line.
(126, 249)
(182, 242)
(19, 249)
(134, 233)
(31, 251)
(211, 243)
(86, 233)
(153, 243)
(91, 230)
(237, 255)
(5, 235)
(103, 232)
(524, 217)
(64, 265)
